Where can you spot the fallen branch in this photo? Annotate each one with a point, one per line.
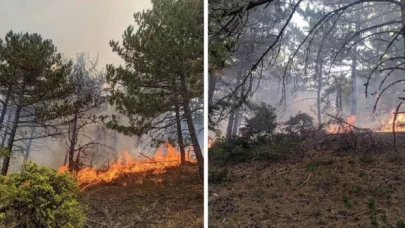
(397, 175)
(297, 200)
(99, 223)
(393, 128)
(351, 125)
(291, 171)
(305, 181)
(366, 212)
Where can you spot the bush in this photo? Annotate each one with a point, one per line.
(400, 224)
(263, 122)
(40, 197)
(216, 176)
(300, 124)
(235, 150)
(243, 149)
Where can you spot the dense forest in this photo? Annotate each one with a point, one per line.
(306, 113)
(84, 111)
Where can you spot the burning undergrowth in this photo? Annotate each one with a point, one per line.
(126, 165)
(339, 175)
(176, 201)
(152, 192)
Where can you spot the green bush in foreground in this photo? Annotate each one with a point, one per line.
(40, 197)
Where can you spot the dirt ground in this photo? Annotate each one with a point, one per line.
(175, 202)
(320, 189)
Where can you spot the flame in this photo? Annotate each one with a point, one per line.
(399, 123)
(63, 168)
(210, 142)
(126, 164)
(342, 128)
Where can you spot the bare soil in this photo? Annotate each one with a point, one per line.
(175, 202)
(319, 189)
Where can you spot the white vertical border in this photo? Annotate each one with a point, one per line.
(206, 113)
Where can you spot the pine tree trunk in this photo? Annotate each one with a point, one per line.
(73, 141)
(6, 161)
(319, 73)
(236, 122)
(180, 136)
(115, 140)
(211, 88)
(403, 22)
(194, 140)
(191, 129)
(5, 106)
(9, 115)
(234, 131)
(230, 127)
(28, 149)
(354, 70)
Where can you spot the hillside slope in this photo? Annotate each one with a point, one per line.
(173, 199)
(319, 189)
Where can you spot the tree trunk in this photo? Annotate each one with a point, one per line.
(230, 126)
(319, 73)
(28, 149)
(338, 95)
(6, 161)
(115, 140)
(211, 89)
(234, 131)
(354, 70)
(9, 115)
(236, 122)
(191, 129)
(180, 136)
(194, 140)
(403, 22)
(73, 141)
(3, 111)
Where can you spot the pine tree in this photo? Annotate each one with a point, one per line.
(163, 72)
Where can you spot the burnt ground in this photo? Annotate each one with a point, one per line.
(318, 189)
(176, 202)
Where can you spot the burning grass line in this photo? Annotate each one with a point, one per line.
(351, 125)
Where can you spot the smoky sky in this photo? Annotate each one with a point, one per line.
(73, 25)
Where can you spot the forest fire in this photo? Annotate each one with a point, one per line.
(342, 128)
(388, 124)
(126, 164)
(210, 142)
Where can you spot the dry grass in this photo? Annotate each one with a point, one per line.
(321, 189)
(176, 202)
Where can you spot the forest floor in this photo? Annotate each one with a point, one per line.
(319, 189)
(175, 202)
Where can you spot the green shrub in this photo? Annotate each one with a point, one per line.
(262, 123)
(40, 197)
(300, 124)
(235, 150)
(216, 176)
(400, 224)
(242, 149)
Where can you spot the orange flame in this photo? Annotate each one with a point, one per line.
(342, 128)
(126, 164)
(210, 142)
(399, 123)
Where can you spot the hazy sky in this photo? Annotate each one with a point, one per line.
(73, 25)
